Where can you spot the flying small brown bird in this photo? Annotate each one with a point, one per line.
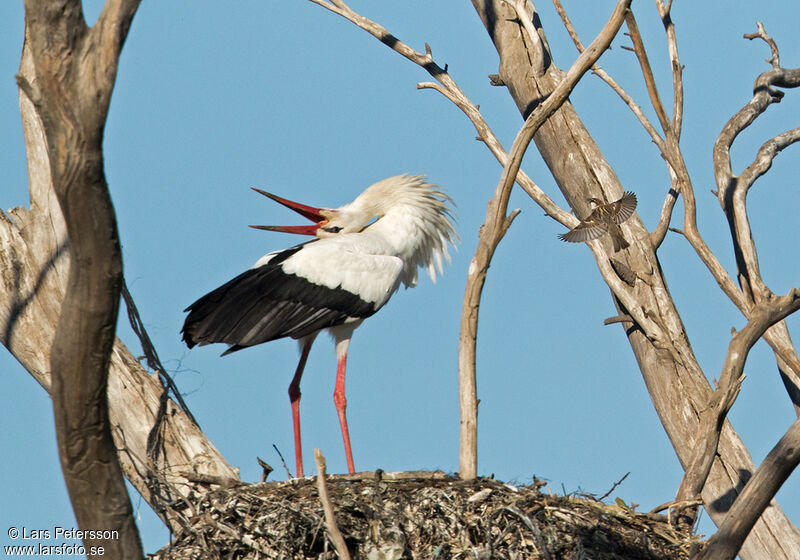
(604, 219)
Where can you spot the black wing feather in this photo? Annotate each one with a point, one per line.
(266, 303)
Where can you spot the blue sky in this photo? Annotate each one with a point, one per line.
(213, 98)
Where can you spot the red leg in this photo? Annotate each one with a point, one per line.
(294, 398)
(341, 405)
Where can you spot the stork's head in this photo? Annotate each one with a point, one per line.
(327, 221)
(411, 215)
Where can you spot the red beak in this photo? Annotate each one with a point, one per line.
(309, 212)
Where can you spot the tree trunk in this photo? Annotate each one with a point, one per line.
(35, 259)
(676, 383)
(72, 106)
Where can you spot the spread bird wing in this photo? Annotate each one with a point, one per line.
(590, 228)
(293, 293)
(585, 231)
(626, 206)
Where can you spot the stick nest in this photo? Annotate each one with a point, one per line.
(394, 516)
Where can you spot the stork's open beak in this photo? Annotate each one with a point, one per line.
(309, 212)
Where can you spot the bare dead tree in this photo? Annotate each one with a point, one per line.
(693, 414)
(65, 249)
(664, 313)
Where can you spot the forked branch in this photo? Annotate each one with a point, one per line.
(712, 419)
(647, 73)
(448, 87)
(732, 191)
(664, 11)
(613, 84)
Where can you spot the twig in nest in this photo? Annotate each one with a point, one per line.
(244, 539)
(679, 505)
(266, 469)
(278, 451)
(330, 521)
(533, 527)
(617, 483)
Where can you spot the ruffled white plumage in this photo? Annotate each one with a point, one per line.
(408, 218)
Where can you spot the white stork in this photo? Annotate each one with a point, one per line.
(362, 252)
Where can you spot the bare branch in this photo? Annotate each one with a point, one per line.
(775, 59)
(75, 80)
(383, 35)
(330, 520)
(450, 89)
(674, 504)
(764, 94)
(682, 181)
(103, 45)
(568, 25)
(766, 154)
(692, 234)
(114, 23)
(736, 210)
(618, 319)
(781, 461)
(627, 298)
(670, 149)
(660, 232)
(488, 137)
(787, 361)
(764, 316)
(647, 72)
(613, 487)
(606, 77)
(677, 68)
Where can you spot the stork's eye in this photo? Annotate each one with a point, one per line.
(332, 229)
